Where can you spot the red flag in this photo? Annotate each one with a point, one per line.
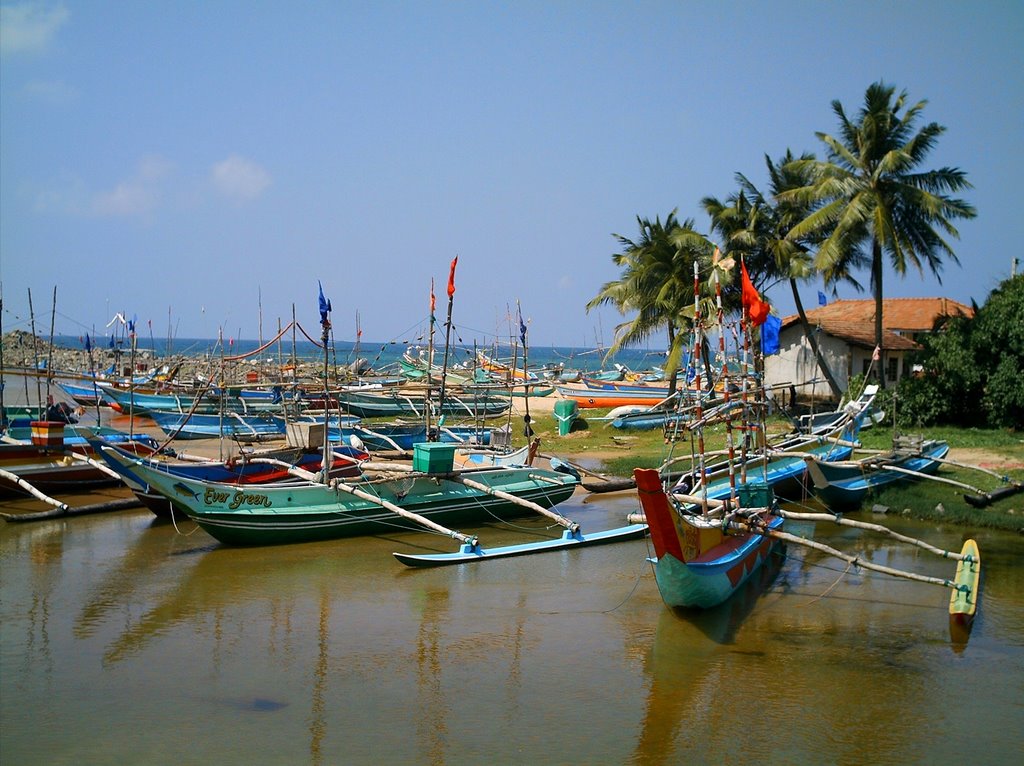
(433, 300)
(451, 277)
(876, 354)
(756, 308)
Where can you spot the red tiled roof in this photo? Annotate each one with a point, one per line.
(902, 314)
(863, 334)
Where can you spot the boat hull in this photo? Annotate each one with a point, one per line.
(273, 515)
(697, 565)
(848, 486)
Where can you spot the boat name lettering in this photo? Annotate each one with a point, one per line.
(213, 496)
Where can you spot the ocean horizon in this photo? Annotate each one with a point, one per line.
(379, 355)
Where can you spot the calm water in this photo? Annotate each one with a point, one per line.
(129, 641)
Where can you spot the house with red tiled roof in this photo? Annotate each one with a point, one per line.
(845, 331)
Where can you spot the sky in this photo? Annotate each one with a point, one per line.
(200, 165)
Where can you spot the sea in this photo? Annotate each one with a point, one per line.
(381, 357)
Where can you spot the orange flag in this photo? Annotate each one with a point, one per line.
(756, 308)
(451, 277)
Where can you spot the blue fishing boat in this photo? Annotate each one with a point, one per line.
(232, 425)
(845, 485)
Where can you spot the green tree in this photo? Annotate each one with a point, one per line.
(757, 226)
(870, 193)
(656, 285)
(972, 369)
(997, 338)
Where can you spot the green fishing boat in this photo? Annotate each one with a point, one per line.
(272, 514)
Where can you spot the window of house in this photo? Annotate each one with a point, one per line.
(890, 368)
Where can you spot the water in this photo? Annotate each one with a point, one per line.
(381, 356)
(129, 641)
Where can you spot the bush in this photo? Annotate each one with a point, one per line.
(973, 369)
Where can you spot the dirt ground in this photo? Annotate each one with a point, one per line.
(985, 459)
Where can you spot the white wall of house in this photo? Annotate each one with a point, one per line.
(795, 363)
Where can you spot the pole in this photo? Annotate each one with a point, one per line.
(35, 354)
(447, 338)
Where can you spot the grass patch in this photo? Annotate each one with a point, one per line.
(618, 452)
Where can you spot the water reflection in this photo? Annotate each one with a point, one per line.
(682, 666)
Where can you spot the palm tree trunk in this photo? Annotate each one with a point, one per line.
(812, 338)
(876, 286)
(673, 379)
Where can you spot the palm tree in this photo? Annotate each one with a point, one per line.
(870, 193)
(757, 226)
(657, 284)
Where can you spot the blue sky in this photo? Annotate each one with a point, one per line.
(186, 161)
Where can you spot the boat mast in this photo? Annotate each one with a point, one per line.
(527, 429)
(49, 357)
(699, 412)
(447, 339)
(730, 443)
(35, 355)
(430, 358)
(325, 332)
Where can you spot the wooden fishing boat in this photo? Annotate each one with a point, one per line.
(698, 562)
(781, 467)
(402, 437)
(231, 425)
(478, 458)
(566, 412)
(45, 463)
(589, 397)
(269, 514)
(393, 404)
(124, 400)
(86, 391)
(251, 467)
(845, 485)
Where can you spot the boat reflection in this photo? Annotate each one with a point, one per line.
(685, 668)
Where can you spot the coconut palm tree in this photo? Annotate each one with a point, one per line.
(870, 194)
(756, 225)
(656, 284)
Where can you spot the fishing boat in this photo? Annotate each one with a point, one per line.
(248, 467)
(270, 514)
(398, 436)
(47, 463)
(124, 400)
(846, 484)
(591, 397)
(230, 424)
(393, 404)
(698, 562)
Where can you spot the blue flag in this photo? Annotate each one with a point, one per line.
(522, 325)
(822, 300)
(325, 305)
(88, 343)
(770, 335)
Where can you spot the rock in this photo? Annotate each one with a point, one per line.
(940, 509)
(880, 509)
(906, 512)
